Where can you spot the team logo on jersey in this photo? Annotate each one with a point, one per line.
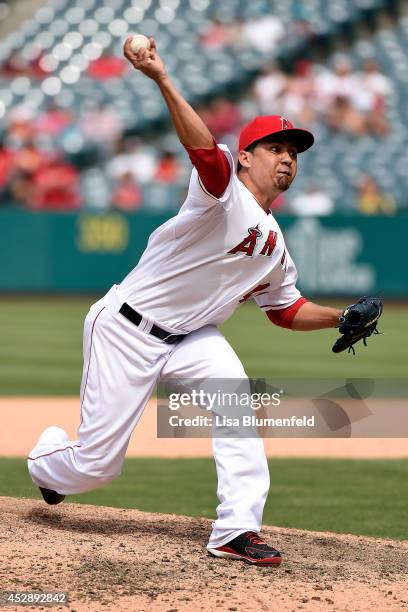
(248, 244)
(270, 244)
(286, 125)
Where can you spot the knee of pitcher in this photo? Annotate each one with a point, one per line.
(101, 472)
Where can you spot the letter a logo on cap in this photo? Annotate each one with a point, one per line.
(285, 124)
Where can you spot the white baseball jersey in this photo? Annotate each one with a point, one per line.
(197, 268)
(215, 254)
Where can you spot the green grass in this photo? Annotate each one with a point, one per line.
(365, 497)
(41, 347)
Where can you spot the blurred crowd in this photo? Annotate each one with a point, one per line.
(347, 100)
(41, 169)
(45, 159)
(262, 34)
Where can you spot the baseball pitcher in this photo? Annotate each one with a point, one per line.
(224, 247)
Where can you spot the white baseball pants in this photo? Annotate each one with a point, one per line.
(122, 364)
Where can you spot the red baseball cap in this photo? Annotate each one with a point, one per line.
(266, 125)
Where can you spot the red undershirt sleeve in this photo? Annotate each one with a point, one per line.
(213, 168)
(284, 316)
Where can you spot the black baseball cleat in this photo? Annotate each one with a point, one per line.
(248, 547)
(51, 497)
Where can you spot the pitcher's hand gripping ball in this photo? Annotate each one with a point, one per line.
(139, 41)
(358, 322)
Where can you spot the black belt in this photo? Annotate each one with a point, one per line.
(156, 331)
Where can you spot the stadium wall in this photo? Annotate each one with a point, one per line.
(88, 252)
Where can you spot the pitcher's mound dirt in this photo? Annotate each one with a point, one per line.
(113, 559)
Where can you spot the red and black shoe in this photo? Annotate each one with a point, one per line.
(248, 547)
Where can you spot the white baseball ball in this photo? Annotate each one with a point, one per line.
(139, 41)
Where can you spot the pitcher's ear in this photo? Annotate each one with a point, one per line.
(245, 158)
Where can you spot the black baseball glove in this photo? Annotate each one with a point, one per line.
(358, 322)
